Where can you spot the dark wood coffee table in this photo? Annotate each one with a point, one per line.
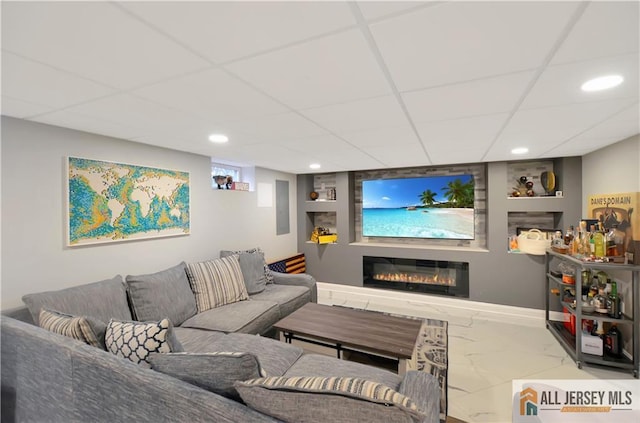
(346, 329)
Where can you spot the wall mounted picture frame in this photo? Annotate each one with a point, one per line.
(112, 202)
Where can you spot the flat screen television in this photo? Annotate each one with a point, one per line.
(434, 207)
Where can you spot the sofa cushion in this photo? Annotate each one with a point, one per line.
(82, 328)
(322, 365)
(196, 340)
(162, 294)
(243, 316)
(327, 399)
(275, 357)
(268, 273)
(215, 372)
(216, 282)
(252, 266)
(101, 300)
(289, 297)
(135, 341)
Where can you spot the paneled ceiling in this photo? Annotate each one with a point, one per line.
(349, 85)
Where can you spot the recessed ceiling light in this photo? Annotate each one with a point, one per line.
(520, 150)
(218, 138)
(602, 83)
(315, 166)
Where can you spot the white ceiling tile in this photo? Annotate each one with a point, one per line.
(618, 127)
(80, 122)
(329, 148)
(36, 83)
(333, 69)
(560, 84)
(461, 41)
(21, 109)
(277, 128)
(382, 137)
(138, 113)
(479, 97)
(377, 9)
(327, 143)
(607, 28)
(213, 95)
(579, 147)
(263, 154)
(348, 158)
(460, 140)
(542, 129)
(224, 31)
(402, 156)
(94, 40)
(357, 115)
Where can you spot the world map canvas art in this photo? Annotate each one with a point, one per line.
(110, 202)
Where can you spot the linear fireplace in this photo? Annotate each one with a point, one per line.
(423, 276)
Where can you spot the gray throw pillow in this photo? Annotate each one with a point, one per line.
(252, 266)
(215, 372)
(162, 294)
(137, 341)
(258, 255)
(334, 399)
(101, 300)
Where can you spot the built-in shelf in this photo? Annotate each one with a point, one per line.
(537, 197)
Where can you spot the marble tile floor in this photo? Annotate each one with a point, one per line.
(486, 354)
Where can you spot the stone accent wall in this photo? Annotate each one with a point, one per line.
(532, 170)
(480, 204)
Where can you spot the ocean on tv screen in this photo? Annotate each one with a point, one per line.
(438, 207)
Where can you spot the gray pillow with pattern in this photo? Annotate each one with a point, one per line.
(137, 341)
(330, 399)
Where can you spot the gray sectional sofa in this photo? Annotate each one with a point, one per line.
(221, 367)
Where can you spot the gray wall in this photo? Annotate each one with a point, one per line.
(620, 172)
(612, 169)
(34, 255)
(496, 276)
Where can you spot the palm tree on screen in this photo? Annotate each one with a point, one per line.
(428, 197)
(460, 194)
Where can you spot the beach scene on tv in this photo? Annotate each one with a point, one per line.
(438, 207)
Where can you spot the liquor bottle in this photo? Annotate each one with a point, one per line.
(599, 244)
(600, 301)
(568, 236)
(613, 302)
(613, 342)
(584, 248)
(610, 238)
(592, 246)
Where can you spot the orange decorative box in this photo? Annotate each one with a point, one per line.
(569, 321)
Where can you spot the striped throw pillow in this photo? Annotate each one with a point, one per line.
(217, 282)
(339, 399)
(82, 328)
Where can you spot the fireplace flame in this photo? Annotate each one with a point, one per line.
(415, 278)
